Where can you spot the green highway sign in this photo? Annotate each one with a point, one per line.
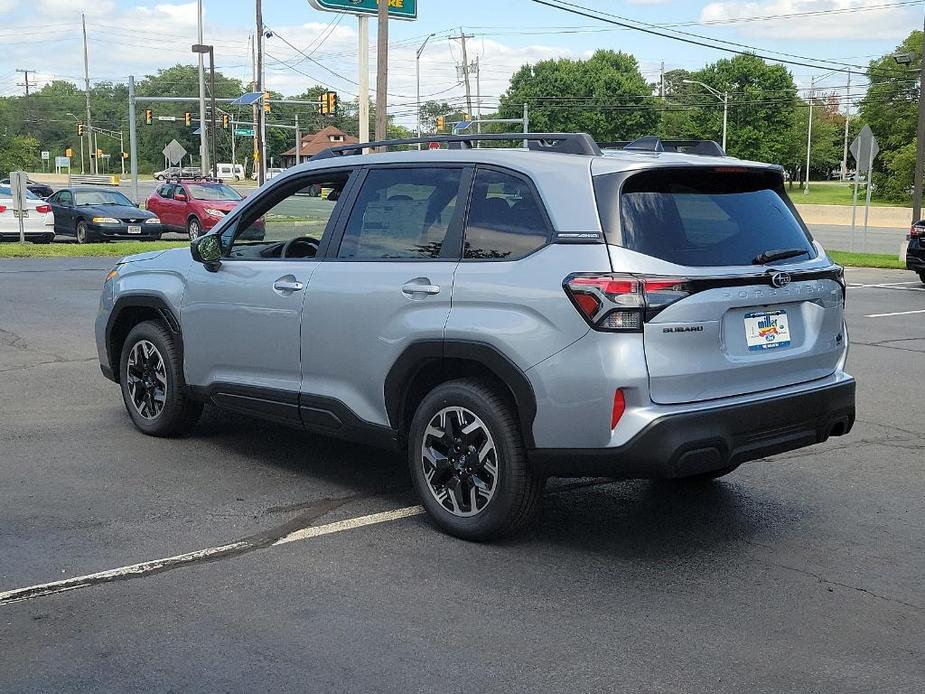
(244, 132)
(398, 9)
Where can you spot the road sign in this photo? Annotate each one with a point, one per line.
(174, 152)
(46, 155)
(398, 9)
(169, 118)
(244, 132)
(62, 162)
(864, 149)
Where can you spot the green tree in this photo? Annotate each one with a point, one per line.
(762, 102)
(827, 143)
(605, 96)
(890, 108)
(17, 152)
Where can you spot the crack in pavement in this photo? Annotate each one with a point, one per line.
(245, 545)
(826, 581)
(56, 360)
(880, 346)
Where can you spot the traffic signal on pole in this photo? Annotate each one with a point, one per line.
(467, 117)
(441, 122)
(125, 155)
(225, 121)
(69, 152)
(266, 102)
(80, 129)
(188, 118)
(149, 116)
(328, 103)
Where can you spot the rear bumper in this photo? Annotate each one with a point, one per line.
(120, 232)
(915, 256)
(688, 443)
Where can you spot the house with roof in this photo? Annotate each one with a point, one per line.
(312, 144)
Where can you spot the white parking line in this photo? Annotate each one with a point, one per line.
(155, 565)
(889, 285)
(896, 313)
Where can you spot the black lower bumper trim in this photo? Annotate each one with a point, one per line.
(689, 443)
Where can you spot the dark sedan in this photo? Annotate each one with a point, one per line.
(915, 252)
(40, 189)
(98, 214)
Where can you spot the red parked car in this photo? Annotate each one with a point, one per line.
(194, 206)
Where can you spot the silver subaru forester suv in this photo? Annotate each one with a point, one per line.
(502, 314)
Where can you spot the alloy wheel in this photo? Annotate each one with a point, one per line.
(194, 229)
(460, 461)
(146, 376)
(81, 232)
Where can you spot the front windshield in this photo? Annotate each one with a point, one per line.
(7, 192)
(213, 191)
(100, 197)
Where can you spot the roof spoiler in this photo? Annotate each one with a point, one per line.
(563, 143)
(707, 148)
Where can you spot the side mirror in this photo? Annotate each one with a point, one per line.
(208, 251)
(180, 196)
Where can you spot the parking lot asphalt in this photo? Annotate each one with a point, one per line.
(802, 572)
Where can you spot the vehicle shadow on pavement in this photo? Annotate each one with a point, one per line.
(659, 520)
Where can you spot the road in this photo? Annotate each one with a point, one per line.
(799, 573)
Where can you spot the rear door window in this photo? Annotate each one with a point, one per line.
(701, 217)
(505, 220)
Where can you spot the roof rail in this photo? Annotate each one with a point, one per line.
(707, 148)
(563, 143)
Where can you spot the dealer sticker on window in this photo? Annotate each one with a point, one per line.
(766, 330)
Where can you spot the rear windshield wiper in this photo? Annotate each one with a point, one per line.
(780, 254)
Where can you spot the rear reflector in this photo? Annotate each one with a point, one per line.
(619, 407)
(2, 209)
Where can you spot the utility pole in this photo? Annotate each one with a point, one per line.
(298, 141)
(91, 153)
(661, 82)
(844, 158)
(133, 137)
(213, 132)
(417, 74)
(478, 96)
(382, 71)
(920, 141)
(203, 142)
(256, 105)
(462, 39)
(25, 83)
(258, 76)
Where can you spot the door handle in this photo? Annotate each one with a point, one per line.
(288, 285)
(420, 285)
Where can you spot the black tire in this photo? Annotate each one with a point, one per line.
(178, 413)
(922, 277)
(193, 228)
(81, 232)
(517, 491)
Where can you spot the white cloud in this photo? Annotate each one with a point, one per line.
(883, 23)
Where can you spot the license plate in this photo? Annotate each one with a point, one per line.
(134, 228)
(766, 330)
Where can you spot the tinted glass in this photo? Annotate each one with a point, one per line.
(402, 214)
(166, 191)
(702, 217)
(8, 192)
(100, 197)
(64, 198)
(505, 220)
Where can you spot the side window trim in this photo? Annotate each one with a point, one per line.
(452, 243)
(540, 204)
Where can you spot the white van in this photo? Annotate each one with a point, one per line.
(235, 171)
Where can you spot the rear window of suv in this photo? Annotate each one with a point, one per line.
(701, 217)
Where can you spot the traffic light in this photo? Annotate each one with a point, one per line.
(441, 122)
(225, 121)
(99, 153)
(188, 119)
(467, 117)
(69, 152)
(125, 155)
(266, 102)
(149, 116)
(328, 103)
(80, 129)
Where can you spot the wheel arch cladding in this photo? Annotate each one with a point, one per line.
(128, 312)
(426, 364)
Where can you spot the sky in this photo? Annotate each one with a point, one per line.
(140, 36)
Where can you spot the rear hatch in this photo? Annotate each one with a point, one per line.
(736, 297)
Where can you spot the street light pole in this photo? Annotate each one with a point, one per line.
(844, 158)
(417, 70)
(722, 96)
(920, 141)
(809, 131)
(81, 143)
(203, 142)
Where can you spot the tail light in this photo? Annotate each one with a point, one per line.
(2, 209)
(43, 209)
(623, 303)
(915, 231)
